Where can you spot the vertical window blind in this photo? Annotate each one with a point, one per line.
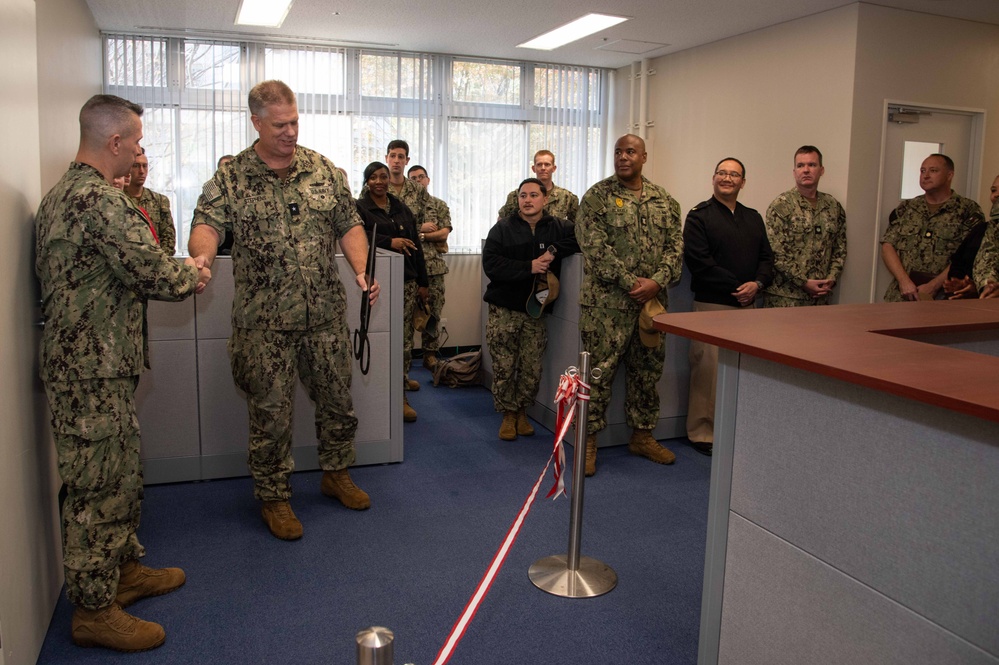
(474, 124)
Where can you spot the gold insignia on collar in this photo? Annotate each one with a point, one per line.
(619, 202)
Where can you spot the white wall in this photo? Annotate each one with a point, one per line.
(70, 70)
(462, 301)
(29, 547)
(757, 97)
(30, 550)
(820, 80)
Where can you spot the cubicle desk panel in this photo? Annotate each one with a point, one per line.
(194, 377)
(852, 510)
(862, 528)
(167, 408)
(564, 347)
(167, 395)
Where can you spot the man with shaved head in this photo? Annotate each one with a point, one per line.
(629, 233)
(98, 263)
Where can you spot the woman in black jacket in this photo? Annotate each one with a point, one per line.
(395, 229)
(515, 253)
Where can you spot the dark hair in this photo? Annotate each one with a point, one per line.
(104, 115)
(370, 169)
(398, 143)
(227, 158)
(536, 182)
(947, 160)
(417, 167)
(732, 159)
(806, 149)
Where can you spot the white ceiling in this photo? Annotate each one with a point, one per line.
(493, 29)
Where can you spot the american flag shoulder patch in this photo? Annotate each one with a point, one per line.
(211, 191)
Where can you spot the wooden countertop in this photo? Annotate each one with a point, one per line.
(866, 345)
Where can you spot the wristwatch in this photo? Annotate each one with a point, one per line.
(759, 285)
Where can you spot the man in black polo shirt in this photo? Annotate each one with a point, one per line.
(730, 262)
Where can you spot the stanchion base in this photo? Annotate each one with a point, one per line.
(552, 574)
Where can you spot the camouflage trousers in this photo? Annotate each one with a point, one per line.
(97, 443)
(771, 300)
(610, 336)
(408, 309)
(432, 343)
(264, 366)
(517, 344)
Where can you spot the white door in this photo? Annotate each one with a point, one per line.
(922, 133)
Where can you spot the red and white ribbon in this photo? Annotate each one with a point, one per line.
(565, 397)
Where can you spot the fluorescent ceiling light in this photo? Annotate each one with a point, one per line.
(270, 13)
(570, 32)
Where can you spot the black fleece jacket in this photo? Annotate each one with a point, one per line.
(398, 223)
(510, 247)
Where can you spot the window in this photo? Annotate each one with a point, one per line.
(474, 124)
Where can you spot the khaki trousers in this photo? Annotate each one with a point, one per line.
(703, 382)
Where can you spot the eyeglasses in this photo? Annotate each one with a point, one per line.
(729, 174)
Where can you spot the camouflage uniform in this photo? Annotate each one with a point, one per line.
(925, 243)
(987, 260)
(440, 214)
(561, 203)
(157, 207)
(517, 343)
(622, 239)
(97, 263)
(288, 312)
(808, 243)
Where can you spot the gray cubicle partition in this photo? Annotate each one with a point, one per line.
(193, 418)
(847, 525)
(564, 346)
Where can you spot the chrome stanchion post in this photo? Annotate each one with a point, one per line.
(375, 646)
(572, 575)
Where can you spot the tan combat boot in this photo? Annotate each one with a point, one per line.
(337, 484)
(136, 582)
(644, 445)
(524, 427)
(408, 412)
(281, 520)
(114, 628)
(430, 360)
(508, 428)
(591, 454)
(412, 385)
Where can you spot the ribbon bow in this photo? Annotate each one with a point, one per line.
(565, 397)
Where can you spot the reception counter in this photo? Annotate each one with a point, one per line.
(194, 420)
(853, 507)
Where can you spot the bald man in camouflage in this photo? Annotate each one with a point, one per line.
(629, 233)
(98, 262)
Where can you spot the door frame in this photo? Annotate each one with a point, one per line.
(976, 154)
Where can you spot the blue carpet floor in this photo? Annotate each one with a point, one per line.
(412, 561)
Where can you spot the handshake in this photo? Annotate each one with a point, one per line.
(200, 264)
